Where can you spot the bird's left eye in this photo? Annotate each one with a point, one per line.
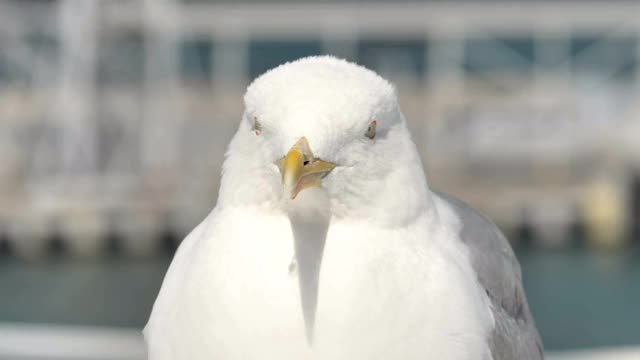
(371, 130)
(257, 127)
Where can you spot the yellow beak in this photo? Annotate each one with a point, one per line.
(301, 170)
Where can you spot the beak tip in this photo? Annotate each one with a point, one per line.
(288, 193)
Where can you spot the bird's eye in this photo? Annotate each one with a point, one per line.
(257, 127)
(371, 130)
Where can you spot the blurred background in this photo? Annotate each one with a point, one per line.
(115, 115)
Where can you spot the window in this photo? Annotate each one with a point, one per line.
(604, 56)
(9, 71)
(195, 59)
(393, 58)
(266, 54)
(19, 66)
(121, 59)
(498, 54)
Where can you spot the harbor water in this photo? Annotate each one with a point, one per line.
(580, 299)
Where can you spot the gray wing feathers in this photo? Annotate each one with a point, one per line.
(515, 335)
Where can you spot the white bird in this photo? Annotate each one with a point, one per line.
(326, 242)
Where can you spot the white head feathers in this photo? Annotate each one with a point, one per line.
(331, 103)
(320, 97)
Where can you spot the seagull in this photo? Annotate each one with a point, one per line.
(327, 243)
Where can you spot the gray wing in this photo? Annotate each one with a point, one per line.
(515, 335)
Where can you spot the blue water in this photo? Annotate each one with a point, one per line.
(584, 299)
(580, 299)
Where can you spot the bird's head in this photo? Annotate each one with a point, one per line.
(323, 126)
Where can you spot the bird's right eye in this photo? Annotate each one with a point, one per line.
(257, 127)
(371, 130)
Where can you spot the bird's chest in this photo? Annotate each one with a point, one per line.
(391, 297)
(371, 295)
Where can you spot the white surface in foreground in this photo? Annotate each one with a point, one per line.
(44, 342)
(41, 342)
(623, 353)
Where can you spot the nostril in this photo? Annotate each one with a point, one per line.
(305, 163)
